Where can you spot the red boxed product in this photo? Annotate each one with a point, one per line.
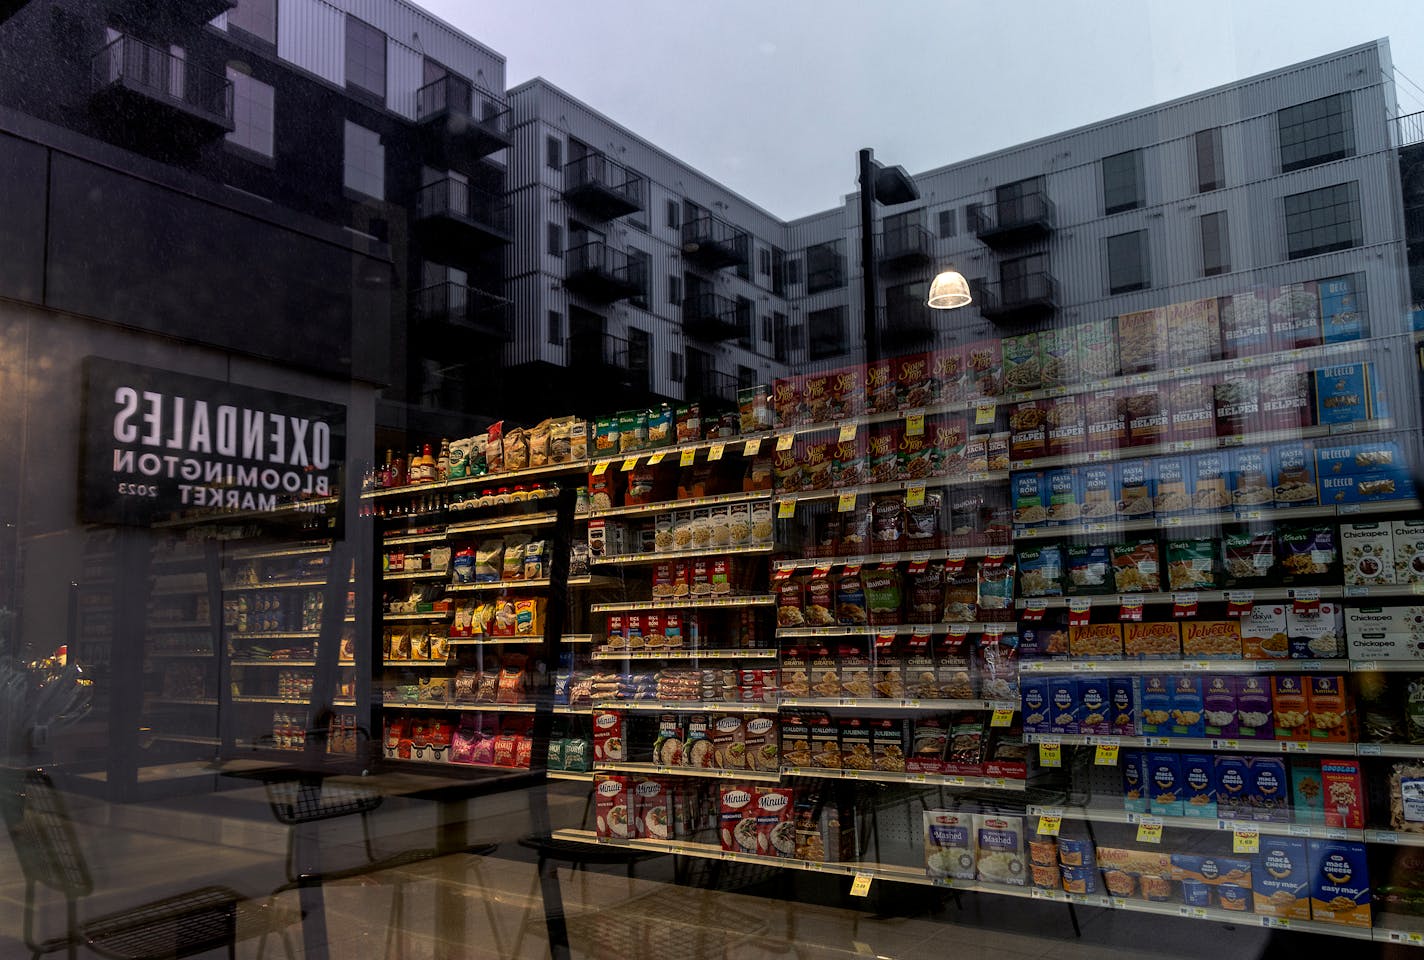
(1104, 416)
(737, 818)
(816, 397)
(848, 392)
(880, 387)
(1145, 415)
(914, 386)
(775, 821)
(985, 362)
(610, 792)
(786, 398)
(1067, 425)
(1028, 430)
(608, 737)
(651, 809)
(949, 372)
(1190, 403)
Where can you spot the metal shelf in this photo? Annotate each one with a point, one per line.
(685, 603)
(899, 556)
(1201, 743)
(659, 556)
(416, 489)
(668, 506)
(685, 654)
(1318, 831)
(927, 779)
(503, 523)
(899, 629)
(1258, 595)
(892, 486)
(1184, 666)
(655, 769)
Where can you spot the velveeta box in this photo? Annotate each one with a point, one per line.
(1212, 639)
(1096, 641)
(1280, 878)
(1339, 883)
(1152, 641)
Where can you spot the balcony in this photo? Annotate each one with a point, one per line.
(905, 246)
(905, 322)
(145, 91)
(460, 121)
(1033, 296)
(712, 243)
(602, 363)
(598, 272)
(455, 308)
(452, 216)
(602, 188)
(710, 317)
(185, 14)
(710, 387)
(1013, 223)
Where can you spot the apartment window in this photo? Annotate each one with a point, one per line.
(365, 57)
(674, 215)
(764, 262)
(1128, 262)
(1019, 201)
(778, 271)
(555, 240)
(1316, 132)
(946, 223)
(554, 153)
(1211, 173)
(1122, 182)
(365, 167)
(1215, 244)
(766, 329)
(782, 331)
(674, 366)
(793, 271)
(638, 263)
(252, 113)
(556, 328)
(674, 289)
(827, 332)
(1020, 279)
(257, 17)
(825, 267)
(744, 323)
(1321, 220)
(746, 377)
(640, 356)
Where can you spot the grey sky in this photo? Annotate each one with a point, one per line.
(774, 97)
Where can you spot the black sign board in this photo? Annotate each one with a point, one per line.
(167, 448)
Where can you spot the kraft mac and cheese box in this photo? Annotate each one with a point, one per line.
(1156, 705)
(1339, 883)
(1063, 707)
(1280, 878)
(1219, 706)
(1232, 779)
(1124, 693)
(1198, 785)
(1095, 706)
(1134, 781)
(1268, 789)
(1187, 706)
(1164, 784)
(1033, 698)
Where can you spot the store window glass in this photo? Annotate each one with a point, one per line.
(1319, 221)
(365, 165)
(1316, 132)
(825, 267)
(256, 17)
(1215, 244)
(252, 113)
(1128, 262)
(1123, 187)
(365, 57)
(827, 337)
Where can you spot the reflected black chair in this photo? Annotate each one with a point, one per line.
(296, 803)
(551, 851)
(49, 853)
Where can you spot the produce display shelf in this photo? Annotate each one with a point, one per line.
(1201, 743)
(1095, 815)
(668, 506)
(684, 603)
(892, 486)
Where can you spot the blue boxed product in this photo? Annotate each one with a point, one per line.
(1134, 781)
(1136, 488)
(1156, 716)
(1363, 457)
(1280, 878)
(1040, 570)
(1164, 784)
(1063, 705)
(1033, 696)
(1341, 315)
(1250, 477)
(1342, 393)
(1065, 495)
(1293, 474)
(1268, 789)
(1339, 883)
(1123, 695)
(1030, 499)
(1094, 706)
(1199, 785)
(1173, 494)
(1187, 706)
(1232, 778)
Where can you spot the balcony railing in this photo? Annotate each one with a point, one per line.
(463, 117)
(465, 212)
(906, 245)
(149, 77)
(709, 386)
(602, 187)
(906, 321)
(599, 272)
(1409, 129)
(464, 308)
(1031, 296)
(607, 363)
(713, 243)
(710, 316)
(1013, 222)
(189, 13)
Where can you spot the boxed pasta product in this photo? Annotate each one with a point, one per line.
(1342, 393)
(1063, 707)
(1245, 323)
(1058, 353)
(1064, 495)
(1097, 350)
(1219, 706)
(1146, 415)
(1105, 420)
(1264, 632)
(1407, 540)
(1238, 404)
(1291, 706)
(1209, 477)
(1156, 705)
(1096, 640)
(1343, 793)
(1094, 706)
(1173, 493)
(1294, 316)
(1331, 714)
(1250, 477)
(1316, 634)
(1123, 696)
(1142, 340)
(1134, 781)
(1187, 707)
(1198, 785)
(1152, 641)
(1268, 789)
(1293, 474)
(1164, 784)
(1035, 704)
(1098, 491)
(1231, 776)
(1067, 425)
(1028, 430)
(1030, 504)
(1280, 878)
(1194, 332)
(1367, 552)
(1285, 398)
(1339, 883)
(1211, 639)
(1190, 401)
(1135, 488)
(1254, 708)
(1022, 369)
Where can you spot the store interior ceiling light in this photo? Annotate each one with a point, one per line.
(949, 290)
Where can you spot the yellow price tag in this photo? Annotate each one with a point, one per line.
(685, 458)
(752, 446)
(1049, 824)
(915, 495)
(600, 468)
(1050, 754)
(629, 464)
(716, 452)
(1106, 755)
(1245, 840)
(860, 886)
(984, 413)
(914, 424)
(656, 458)
(846, 503)
(785, 441)
(847, 432)
(786, 509)
(1149, 830)
(1002, 718)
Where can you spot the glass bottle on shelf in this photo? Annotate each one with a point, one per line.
(442, 463)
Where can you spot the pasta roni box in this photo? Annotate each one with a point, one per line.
(1339, 883)
(1280, 878)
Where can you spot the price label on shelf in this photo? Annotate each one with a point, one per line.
(845, 503)
(1034, 610)
(1001, 718)
(1149, 830)
(687, 457)
(1305, 603)
(860, 886)
(847, 433)
(915, 495)
(600, 468)
(751, 447)
(1246, 840)
(785, 509)
(1184, 604)
(1130, 609)
(984, 413)
(629, 464)
(784, 442)
(1106, 754)
(1239, 603)
(1080, 610)
(1049, 824)
(1050, 753)
(914, 423)
(716, 450)
(657, 458)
